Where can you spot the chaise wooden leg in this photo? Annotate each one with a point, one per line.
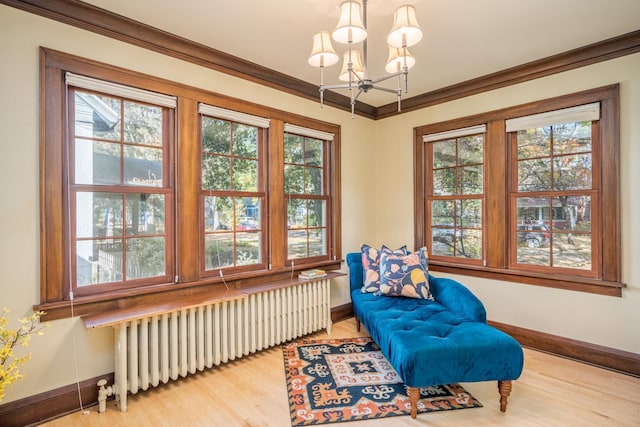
(414, 396)
(504, 387)
(357, 324)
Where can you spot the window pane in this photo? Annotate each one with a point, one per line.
(142, 124)
(294, 179)
(218, 213)
(572, 138)
(444, 181)
(218, 250)
(317, 242)
(245, 175)
(572, 172)
(534, 175)
(471, 180)
(313, 152)
(248, 248)
(98, 214)
(245, 141)
(444, 154)
(442, 241)
(442, 212)
(532, 210)
(293, 152)
(297, 243)
(97, 116)
(528, 253)
(97, 162)
(572, 250)
(98, 261)
(216, 172)
(145, 214)
(470, 150)
(535, 142)
(247, 213)
(297, 213)
(145, 257)
(469, 244)
(313, 181)
(469, 213)
(317, 210)
(216, 136)
(572, 213)
(143, 166)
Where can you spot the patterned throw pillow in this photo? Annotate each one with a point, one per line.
(370, 269)
(405, 275)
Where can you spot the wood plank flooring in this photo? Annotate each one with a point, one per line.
(251, 392)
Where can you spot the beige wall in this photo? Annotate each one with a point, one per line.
(376, 186)
(602, 320)
(21, 35)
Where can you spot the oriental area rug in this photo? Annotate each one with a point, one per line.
(338, 380)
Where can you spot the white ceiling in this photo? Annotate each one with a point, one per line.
(463, 39)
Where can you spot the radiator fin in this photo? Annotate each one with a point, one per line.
(161, 348)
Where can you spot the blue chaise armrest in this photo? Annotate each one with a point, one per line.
(448, 292)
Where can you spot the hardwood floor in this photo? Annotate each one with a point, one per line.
(251, 392)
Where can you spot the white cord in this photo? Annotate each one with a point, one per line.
(293, 264)
(223, 281)
(75, 357)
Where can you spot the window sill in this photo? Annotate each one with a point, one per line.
(574, 283)
(168, 297)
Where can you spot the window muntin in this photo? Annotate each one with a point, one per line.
(553, 197)
(306, 191)
(118, 192)
(233, 195)
(456, 197)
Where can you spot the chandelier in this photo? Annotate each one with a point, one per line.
(352, 29)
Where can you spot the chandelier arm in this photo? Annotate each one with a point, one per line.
(381, 79)
(385, 89)
(337, 86)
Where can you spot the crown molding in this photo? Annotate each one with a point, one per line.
(100, 21)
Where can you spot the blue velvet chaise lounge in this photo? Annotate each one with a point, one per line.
(433, 342)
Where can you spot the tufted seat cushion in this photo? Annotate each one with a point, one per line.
(436, 342)
(429, 344)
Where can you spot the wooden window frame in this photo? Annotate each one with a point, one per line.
(497, 198)
(260, 192)
(327, 191)
(74, 188)
(190, 282)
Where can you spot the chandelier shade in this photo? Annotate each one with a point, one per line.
(322, 53)
(398, 59)
(405, 31)
(350, 28)
(356, 67)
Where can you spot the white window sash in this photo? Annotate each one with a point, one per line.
(120, 90)
(455, 133)
(581, 113)
(234, 116)
(311, 133)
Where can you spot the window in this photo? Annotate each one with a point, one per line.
(119, 190)
(455, 196)
(306, 187)
(152, 190)
(521, 194)
(553, 190)
(232, 189)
